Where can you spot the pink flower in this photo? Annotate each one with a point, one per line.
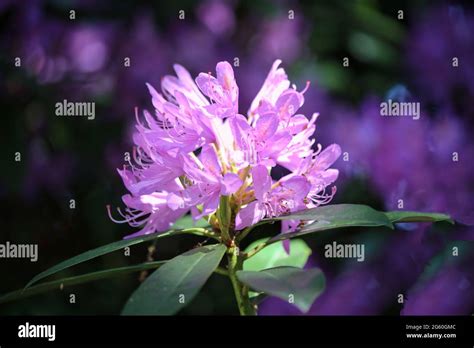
(196, 147)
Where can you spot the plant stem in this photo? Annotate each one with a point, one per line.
(224, 215)
(221, 271)
(241, 291)
(201, 232)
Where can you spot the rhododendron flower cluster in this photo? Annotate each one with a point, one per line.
(197, 153)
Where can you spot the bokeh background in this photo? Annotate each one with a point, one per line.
(404, 59)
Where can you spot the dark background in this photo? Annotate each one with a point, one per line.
(390, 159)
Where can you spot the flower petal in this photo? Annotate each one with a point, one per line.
(230, 184)
(327, 157)
(299, 186)
(249, 215)
(275, 83)
(288, 103)
(266, 126)
(262, 181)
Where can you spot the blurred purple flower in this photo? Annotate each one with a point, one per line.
(218, 16)
(148, 53)
(442, 34)
(54, 49)
(280, 37)
(448, 292)
(406, 159)
(88, 49)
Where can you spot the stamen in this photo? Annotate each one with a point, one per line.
(137, 118)
(112, 218)
(306, 87)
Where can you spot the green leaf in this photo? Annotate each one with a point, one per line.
(275, 255)
(298, 286)
(348, 213)
(176, 283)
(413, 216)
(105, 249)
(351, 215)
(334, 216)
(83, 278)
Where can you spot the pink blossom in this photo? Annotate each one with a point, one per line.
(196, 147)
